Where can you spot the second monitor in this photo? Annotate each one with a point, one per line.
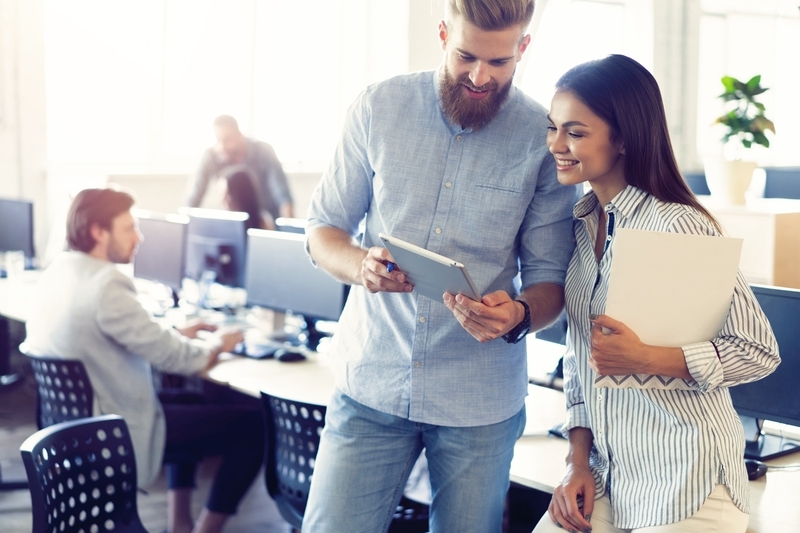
(280, 276)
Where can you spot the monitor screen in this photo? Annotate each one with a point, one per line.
(292, 225)
(777, 396)
(280, 276)
(16, 226)
(161, 255)
(216, 241)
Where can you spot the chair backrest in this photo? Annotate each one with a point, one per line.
(697, 182)
(64, 390)
(82, 477)
(293, 430)
(782, 182)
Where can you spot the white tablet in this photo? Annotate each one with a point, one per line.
(431, 274)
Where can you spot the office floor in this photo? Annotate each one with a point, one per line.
(257, 513)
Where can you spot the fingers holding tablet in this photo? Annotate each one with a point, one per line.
(379, 272)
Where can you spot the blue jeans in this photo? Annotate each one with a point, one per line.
(365, 457)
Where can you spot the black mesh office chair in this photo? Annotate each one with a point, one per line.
(293, 430)
(63, 388)
(82, 477)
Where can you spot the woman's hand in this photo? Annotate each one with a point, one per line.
(564, 509)
(618, 351)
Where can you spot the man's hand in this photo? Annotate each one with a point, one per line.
(375, 274)
(193, 326)
(224, 340)
(492, 317)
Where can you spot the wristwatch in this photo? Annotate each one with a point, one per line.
(519, 331)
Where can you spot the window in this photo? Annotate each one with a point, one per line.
(138, 82)
(742, 39)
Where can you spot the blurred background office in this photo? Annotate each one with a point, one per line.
(93, 91)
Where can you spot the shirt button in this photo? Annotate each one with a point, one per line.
(417, 364)
(438, 231)
(608, 238)
(422, 319)
(599, 397)
(458, 137)
(448, 184)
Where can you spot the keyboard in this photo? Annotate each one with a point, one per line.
(257, 350)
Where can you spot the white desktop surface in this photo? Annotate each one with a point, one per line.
(17, 294)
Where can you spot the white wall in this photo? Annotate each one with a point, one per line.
(23, 137)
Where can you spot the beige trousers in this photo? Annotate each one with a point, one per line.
(717, 515)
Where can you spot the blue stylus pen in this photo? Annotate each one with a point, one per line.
(390, 267)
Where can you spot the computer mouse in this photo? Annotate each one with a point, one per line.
(755, 469)
(288, 356)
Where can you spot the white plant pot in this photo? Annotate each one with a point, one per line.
(728, 180)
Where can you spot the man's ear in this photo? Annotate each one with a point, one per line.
(443, 34)
(523, 45)
(97, 233)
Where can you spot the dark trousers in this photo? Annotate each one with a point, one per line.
(223, 423)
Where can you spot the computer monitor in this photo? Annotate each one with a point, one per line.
(292, 225)
(16, 227)
(280, 276)
(777, 396)
(216, 242)
(161, 256)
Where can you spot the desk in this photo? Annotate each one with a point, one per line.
(538, 459)
(770, 228)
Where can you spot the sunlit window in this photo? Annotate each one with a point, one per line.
(575, 31)
(138, 82)
(742, 40)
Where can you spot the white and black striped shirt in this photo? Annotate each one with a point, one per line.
(660, 453)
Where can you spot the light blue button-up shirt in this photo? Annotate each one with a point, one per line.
(486, 198)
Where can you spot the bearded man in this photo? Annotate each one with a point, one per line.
(454, 161)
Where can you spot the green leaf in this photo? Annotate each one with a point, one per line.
(746, 143)
(727, 81)
(753, 82)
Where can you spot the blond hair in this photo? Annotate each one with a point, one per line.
(492, 15)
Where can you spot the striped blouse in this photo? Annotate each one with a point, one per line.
(660, 453)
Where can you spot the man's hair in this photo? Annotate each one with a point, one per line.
(226, 121)
(90, 207)
(492, 15)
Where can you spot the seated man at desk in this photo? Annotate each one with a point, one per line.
(87, 309)
(234, 152)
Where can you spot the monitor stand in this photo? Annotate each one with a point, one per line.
(759, 445)
(6, 377)
(299, 331)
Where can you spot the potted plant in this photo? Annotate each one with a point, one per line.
(745, 125)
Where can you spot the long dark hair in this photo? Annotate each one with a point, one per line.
(626, 96)
(244, 197)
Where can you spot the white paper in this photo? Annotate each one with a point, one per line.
(671, 289)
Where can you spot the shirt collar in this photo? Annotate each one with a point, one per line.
(625, 202)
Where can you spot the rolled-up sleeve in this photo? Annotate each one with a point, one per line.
(744, 350)
(577, 416)
(345, 190)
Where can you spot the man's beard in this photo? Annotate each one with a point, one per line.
(465, 111)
